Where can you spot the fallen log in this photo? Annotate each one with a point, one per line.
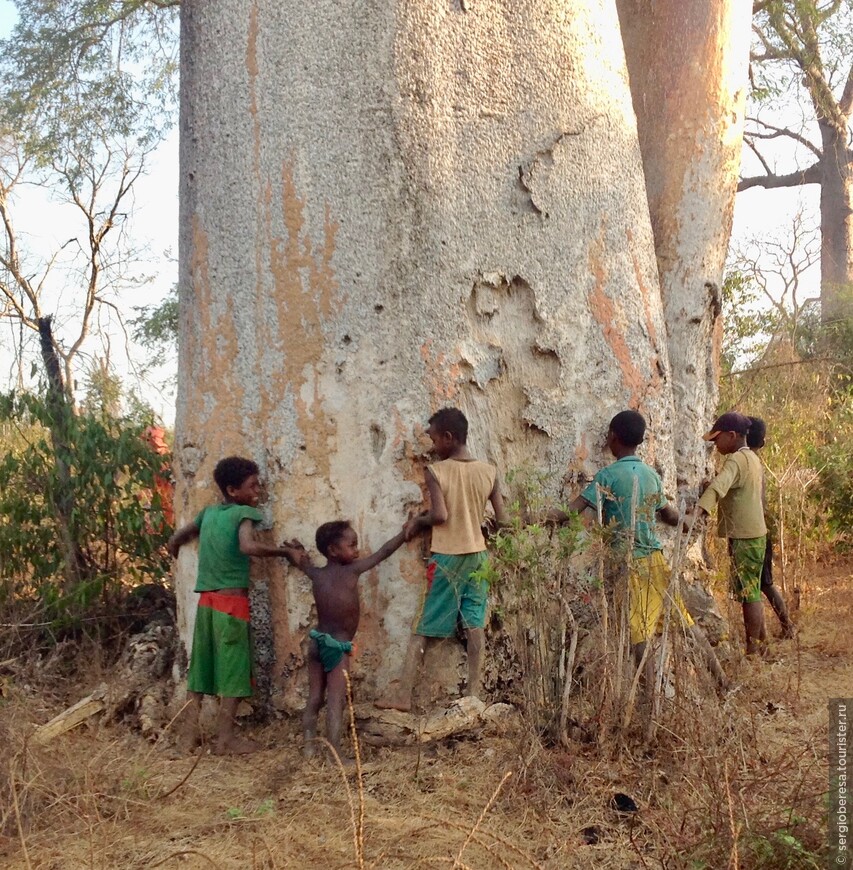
(392, 727)
(72, 717)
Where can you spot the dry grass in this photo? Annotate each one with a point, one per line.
(736, 783)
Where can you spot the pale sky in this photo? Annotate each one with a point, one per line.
(44, 226)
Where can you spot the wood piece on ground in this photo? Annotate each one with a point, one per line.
(72, 717)
(392, 727)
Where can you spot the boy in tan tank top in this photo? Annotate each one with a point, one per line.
(459, 487)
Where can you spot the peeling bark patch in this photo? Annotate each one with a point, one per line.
(378, 440)
(508, 360)
(533, 173)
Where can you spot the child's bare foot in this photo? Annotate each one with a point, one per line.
(309, 745)
(348, 764)
(393, 703)
(235, 746)
(189, 736)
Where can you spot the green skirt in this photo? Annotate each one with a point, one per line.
(221, 659)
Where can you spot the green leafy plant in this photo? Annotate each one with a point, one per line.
(112, 516)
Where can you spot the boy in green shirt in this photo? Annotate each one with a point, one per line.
(736, 493)
(221, 658)
(629, 486)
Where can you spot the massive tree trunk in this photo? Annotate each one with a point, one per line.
(836, 225)
(391, 207)
(687, 61)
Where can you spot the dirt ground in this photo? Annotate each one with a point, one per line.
(740, 786)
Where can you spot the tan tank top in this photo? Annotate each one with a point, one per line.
(466, 487)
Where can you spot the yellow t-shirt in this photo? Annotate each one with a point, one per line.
(736, 493)
(466, 486)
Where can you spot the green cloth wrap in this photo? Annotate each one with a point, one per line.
(330, 650)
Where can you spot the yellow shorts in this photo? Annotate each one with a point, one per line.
(648, 581)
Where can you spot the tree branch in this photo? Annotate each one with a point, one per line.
(757, 153)
(812, 175)
(783, 131)
(845, 104)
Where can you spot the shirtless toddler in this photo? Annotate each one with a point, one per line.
(335, 589)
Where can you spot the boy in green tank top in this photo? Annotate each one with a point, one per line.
(221, 658)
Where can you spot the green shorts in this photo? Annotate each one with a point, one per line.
(221, 659)
(747, 556)
(452, 593)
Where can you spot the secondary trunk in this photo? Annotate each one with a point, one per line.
(836, 226)
(386, 209)
(687, 61)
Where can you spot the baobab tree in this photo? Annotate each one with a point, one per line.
(387, 211)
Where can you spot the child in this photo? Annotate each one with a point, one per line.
(755, 441)
(736, 493)
(649, 573)
(335, 589)
(459, 487)
(221, 659)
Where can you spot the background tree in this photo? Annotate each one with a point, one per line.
(803, 95)
(63, 297)
(88, 91)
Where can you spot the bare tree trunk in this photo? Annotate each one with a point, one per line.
(61, 414)
(392, 209)
(687, 61)
(836, 226)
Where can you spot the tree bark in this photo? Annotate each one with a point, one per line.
(836, 226)
(386, 211)
(61, 412)
(687, 61)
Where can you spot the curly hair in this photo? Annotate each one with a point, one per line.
(233, 471)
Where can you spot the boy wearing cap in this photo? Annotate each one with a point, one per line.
(736, 494)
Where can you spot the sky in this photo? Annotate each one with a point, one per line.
(758, 213)
(45, 226)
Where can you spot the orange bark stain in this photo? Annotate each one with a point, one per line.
(442, 378)
(655, 380)
(604, 311)
(307, 297)
(211, 361)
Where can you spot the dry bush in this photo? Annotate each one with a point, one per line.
(718, 782)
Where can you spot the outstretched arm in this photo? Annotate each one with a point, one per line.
(251, 547)
(497, 500)
(184, 535)
(435, 516)
(297, 555)
(371, 561)
(576, 506)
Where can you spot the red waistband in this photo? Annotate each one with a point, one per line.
(234, 605)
